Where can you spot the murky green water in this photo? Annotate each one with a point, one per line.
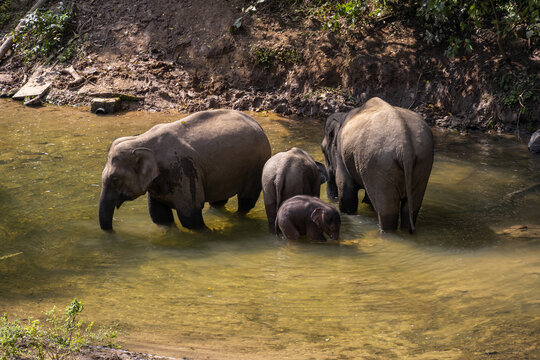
(457, 289)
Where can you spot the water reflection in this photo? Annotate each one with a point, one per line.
(458, 288)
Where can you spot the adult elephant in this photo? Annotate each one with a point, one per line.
(384, 149)
(208, 156)
(289, 173)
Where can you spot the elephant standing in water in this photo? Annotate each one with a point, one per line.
(308, 215)
(208, 156)
(384, 149)
(290, 173)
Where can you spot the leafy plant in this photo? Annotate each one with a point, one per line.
(57, 338)
(250, 10)
(42, 32)
(4, 12)
(268, 56)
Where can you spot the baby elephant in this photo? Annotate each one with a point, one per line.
(290, 173)
(308, 215)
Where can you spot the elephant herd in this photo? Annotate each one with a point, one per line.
(213, 155)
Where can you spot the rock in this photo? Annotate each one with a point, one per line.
(213, 102)
(35, 101)
(38, 84)
(534, 142)
(104, 106)
(530, 231)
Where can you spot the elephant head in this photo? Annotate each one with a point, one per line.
(127, 175)
(328, 220)
(330, 151)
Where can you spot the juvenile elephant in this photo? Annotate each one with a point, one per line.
(308, 215)
(289, 173)
(384, 149)
(208, 156)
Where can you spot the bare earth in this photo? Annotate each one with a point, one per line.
(180, 55)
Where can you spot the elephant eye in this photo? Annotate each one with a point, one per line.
(115, 181)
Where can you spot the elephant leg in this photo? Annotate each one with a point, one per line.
(271, 211)
(348, 192)
(248, 196)
(404, 216)
(315, 234)
(387, 206)
(159, 212)
(289, 230)
(219, 203)
(191, 219)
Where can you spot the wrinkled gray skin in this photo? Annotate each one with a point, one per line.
(384, 149)
(208, 156)
(290, 173)
(310, 216)
(534, 142)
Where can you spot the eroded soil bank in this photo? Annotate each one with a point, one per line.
(181, 55)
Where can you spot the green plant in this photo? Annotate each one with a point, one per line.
(42, 33)
(454, 21)
(58, 337)
(4, 12)
(268, 56)
(250, 10)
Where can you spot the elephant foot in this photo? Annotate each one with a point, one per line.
(192, 222)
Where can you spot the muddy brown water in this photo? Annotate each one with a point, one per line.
(462, 287)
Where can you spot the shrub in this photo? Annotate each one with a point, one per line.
(42, 33)
(57, 338)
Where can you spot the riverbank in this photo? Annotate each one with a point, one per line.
(183, 56)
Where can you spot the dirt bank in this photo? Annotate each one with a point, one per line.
(181, 55)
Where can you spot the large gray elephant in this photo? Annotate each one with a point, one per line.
(384, 149)
(289, 173)
(208, 156)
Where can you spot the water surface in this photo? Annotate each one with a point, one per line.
(462, 287)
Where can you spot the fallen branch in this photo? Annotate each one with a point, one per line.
(77, 79)
(9, 41)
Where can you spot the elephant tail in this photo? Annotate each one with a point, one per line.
(407, 171)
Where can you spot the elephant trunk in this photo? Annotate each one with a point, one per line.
(106, 209)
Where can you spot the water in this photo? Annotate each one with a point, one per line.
(460, 288)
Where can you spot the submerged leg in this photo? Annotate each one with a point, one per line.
(159, 212)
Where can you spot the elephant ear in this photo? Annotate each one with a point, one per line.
(323, 173)
(147, 168)
(317, 216)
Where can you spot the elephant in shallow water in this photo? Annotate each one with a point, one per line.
(208, 156)
(384, 149)
(290, 173)
(308, 215)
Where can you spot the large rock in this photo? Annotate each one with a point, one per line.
(38, 85)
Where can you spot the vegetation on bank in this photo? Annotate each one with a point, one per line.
(57, 337)
(448, 22)
(459, 29)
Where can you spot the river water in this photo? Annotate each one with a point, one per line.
(462, 287)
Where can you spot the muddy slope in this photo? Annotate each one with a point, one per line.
(180, 55)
